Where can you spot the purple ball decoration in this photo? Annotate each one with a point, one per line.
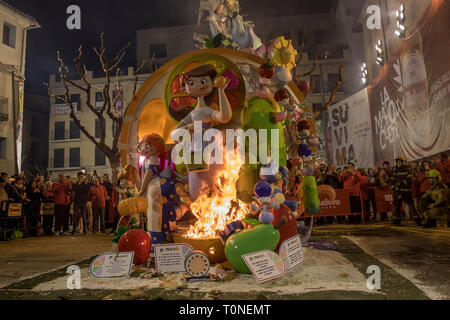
(263, 189)
(304, 151)
(308, 170)
(266, 217)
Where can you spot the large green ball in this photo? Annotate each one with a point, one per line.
(261, 237)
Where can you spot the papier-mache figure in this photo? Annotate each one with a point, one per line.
(266, 202)
(175, 199)
(151, 149)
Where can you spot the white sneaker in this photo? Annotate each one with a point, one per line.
(57, 234)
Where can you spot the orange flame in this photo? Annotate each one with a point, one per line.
(218, 206)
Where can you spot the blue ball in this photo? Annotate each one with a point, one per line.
(266, 217)
(263, 189)
(304, 151)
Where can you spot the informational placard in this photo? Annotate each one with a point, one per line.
(47, 208)
(291, 252)
(112, 265)
(15, 210)
(265, 265)
(171, 257)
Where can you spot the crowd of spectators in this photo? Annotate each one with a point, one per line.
(85, 196)
(88, 196)
(348, 177)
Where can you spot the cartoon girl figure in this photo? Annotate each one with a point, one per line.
(152, 148)
(213, 107)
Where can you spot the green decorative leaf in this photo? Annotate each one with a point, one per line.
(133, 220)
(252, 222)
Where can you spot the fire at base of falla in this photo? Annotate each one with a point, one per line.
(225, 210)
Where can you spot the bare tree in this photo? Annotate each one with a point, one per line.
(110, 67)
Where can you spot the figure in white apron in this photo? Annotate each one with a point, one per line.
(151, 148)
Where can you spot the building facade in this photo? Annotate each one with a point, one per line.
(69, 150)
(14, 26)
(35, 133)
(390, 42)
(324, 35)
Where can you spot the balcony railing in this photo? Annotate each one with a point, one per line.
(4, 114)
(63, 108)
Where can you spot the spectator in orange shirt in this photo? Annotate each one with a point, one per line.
(61, 196)
(98, 199)
(352, 180)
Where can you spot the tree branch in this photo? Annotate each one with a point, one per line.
(333, 94)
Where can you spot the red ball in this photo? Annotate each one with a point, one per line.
(281, 95)
(304, 86)
(303, 125)
(136, 240)
(287, 230)
(266, 71)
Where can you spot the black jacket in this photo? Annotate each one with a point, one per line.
(81, 192)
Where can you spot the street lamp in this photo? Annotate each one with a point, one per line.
(380, 53)
(401, 18)
(365, 74)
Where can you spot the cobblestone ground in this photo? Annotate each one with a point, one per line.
(414, 264)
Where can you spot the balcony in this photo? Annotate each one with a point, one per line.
(63, 108)
(4, 114)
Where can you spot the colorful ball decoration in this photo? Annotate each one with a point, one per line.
(266, 71)
(263, 189)
(261, 237)
(304, 87)
(138, 241)
(303, 125)
(281, 95)
(304, 150)
(266, 217)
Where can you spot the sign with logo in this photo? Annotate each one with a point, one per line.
(47, 208)
(112, 265)
(15, 210)
(384, 199)
(265, 265)
(171, 257)
(334, 207)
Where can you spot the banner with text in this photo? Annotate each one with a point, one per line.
(351, 131)
(410, 100)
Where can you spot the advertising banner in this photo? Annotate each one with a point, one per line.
(410, 100)
(351, 131)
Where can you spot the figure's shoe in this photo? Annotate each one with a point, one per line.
(397, 222)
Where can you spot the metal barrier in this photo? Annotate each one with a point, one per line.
(341, 206)
(10, 214)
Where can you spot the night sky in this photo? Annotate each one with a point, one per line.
(119, 20)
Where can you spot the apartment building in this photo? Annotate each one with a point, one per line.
(14, 26)
(70, 150)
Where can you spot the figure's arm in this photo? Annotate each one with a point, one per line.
(225, 113)
(147, 178)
